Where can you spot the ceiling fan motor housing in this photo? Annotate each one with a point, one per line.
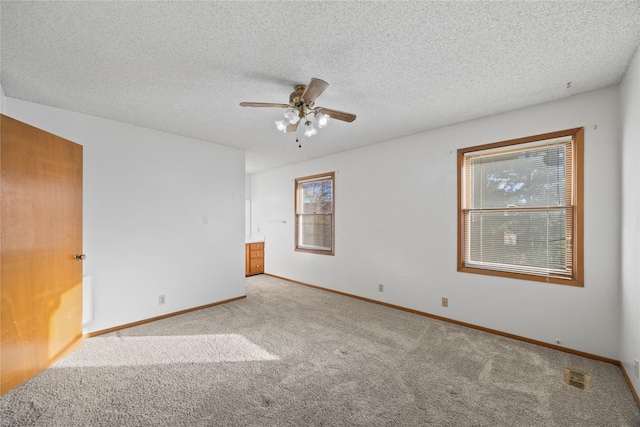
(295, 99)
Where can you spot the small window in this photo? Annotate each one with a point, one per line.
(314, 201)
(520, 208)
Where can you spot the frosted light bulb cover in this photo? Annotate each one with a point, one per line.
(292, 115)
(309, 130)
(282, 124)
(323, 119)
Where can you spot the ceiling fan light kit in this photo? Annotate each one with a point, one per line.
(301, 109)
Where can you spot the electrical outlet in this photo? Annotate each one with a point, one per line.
(637, 368)
(380, 287)
(162, 299)
(445, 302)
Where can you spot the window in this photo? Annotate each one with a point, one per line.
(520, 208)
(314, 201)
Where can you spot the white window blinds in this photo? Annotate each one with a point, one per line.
(518, 208)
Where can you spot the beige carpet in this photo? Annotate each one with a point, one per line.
(290, 355)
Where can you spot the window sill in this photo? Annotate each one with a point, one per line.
(530, 277)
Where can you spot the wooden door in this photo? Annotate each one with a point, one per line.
(41, 226)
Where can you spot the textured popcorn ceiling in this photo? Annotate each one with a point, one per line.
(402, 67)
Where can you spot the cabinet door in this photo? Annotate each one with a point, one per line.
(257, 266)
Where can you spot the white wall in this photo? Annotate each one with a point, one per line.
(163, 214)
(2, 100)
(247, 186)
(247, 204)
(630, 298)
(396, 208)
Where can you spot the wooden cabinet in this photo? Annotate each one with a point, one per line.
(254, 261)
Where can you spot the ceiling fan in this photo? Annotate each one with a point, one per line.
(301, 109)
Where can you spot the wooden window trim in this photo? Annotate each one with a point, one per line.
(331, 175)
(577, 279)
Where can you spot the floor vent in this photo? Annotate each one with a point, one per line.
(576, 379)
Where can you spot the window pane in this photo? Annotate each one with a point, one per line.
(519, 239)
(529, 178)
(314, 231)
(316, 197)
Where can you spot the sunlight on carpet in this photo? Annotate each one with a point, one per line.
(159, 350)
